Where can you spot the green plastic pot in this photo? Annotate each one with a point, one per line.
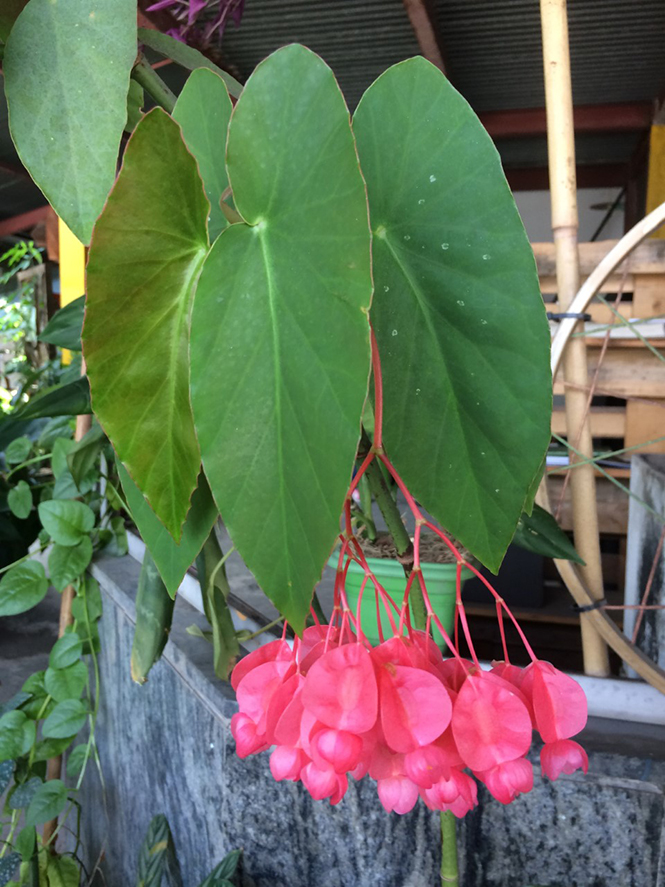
(439, 578)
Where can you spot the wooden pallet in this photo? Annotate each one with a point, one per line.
(628, 370)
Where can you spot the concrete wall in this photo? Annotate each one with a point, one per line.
(166, 747)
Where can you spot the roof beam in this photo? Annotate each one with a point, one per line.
(422, 22)
(621, 117)
(24, 221)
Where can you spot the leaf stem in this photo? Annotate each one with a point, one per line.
(153, 84)
(397, 530)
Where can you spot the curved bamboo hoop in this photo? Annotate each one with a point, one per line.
(633, 657)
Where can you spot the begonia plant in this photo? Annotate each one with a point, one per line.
(280, 299)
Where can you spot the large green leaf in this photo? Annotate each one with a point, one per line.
(203, 111)
(64, 328)
(171, 558)
(280, 344)
(458, 315)
(66, 70)
(539, 532)
(71, 399)
(214, 593)
(154, 614)
(145, 258)
(67, 562)
(186, 56)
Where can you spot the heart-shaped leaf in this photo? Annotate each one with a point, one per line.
(203, 111)
(19, 500)
(68, 65)
(145, 258)
(22, 588)
(66, 651)
(65, 720)
(67, 522)
(17, 733)
(47, 803)
(63, 871)
(457, 311)
(66, 683)
(280, 339)
(67, 562)
(171, 558)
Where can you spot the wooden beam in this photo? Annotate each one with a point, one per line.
(23, 222)
(422, 22)
(647, 258)
(599, 175)
(617, 117)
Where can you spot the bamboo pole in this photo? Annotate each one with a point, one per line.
(563, 188)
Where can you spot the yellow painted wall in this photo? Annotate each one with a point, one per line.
(72, 270)
(656, 179)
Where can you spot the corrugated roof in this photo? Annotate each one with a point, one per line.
(494, 52)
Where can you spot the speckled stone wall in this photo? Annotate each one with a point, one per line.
(166, 748)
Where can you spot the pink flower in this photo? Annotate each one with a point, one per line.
(563, 756)
(559, 703)
(507, 781)
(397, 793)
(491, 724)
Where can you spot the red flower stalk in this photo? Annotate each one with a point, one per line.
(332, 705)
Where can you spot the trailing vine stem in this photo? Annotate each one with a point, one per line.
(153, 84)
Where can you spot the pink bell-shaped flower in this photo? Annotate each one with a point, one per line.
(415, 707)
(338, 749)
(248, 740)
(507, 781)
(559, 703)
(397, 793)
(491, 725)
(340, 689)
(286, 762)
(563, 756)
(274, 651)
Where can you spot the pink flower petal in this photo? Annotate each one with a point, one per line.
(248, 741)
(319, 783)
(340, 689)
(256, 688)
(338, 749)
(506, 781)
(287, 762)
(415, 707)
(559, 703)
(490, 723)
(564, 756)
(275, 650)
(397, 794)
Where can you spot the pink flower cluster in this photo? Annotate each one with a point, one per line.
(333, 706)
